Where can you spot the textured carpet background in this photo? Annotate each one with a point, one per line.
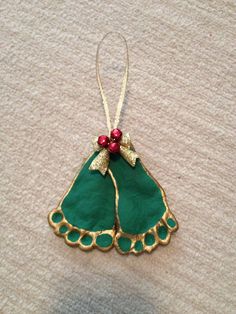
(180, 112)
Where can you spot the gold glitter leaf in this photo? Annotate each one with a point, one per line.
(101, 162)
(125, 140)
(129, 155)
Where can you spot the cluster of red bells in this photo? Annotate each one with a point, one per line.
(112, 143)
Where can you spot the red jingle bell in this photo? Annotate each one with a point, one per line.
(103, 141)
(114, 147)
(116, 135)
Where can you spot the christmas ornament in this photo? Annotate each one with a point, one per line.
(113, 200)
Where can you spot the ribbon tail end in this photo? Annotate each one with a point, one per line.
(129, 155)
(101, 162)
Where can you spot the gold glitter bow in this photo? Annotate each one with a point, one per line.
(101, 162)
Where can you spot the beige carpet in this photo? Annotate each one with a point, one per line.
(180, 112)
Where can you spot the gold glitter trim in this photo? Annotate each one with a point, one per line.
(129, 155)
(125, 140)
(81, 232)
(101, 162)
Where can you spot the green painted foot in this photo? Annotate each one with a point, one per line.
(85, 217)
(143, 216)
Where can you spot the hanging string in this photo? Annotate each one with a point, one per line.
(123, 86)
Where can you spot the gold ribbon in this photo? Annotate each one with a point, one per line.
(101, 162)
(123, 85)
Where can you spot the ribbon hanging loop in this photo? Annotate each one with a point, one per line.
(101, 162)
(123, 86)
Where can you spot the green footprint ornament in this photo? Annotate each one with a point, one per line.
(85, 216)
(124, 207)
(114, 201)
(143, 215)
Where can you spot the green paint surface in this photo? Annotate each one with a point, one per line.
(73, 236)
(171, 222)
(138, 246)
(104, 240)
(124, 244)
(63, 229)
(140, 200)
(57, 217)
(86, 240)
(90, 204)
(149, 239)
(162, 232)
